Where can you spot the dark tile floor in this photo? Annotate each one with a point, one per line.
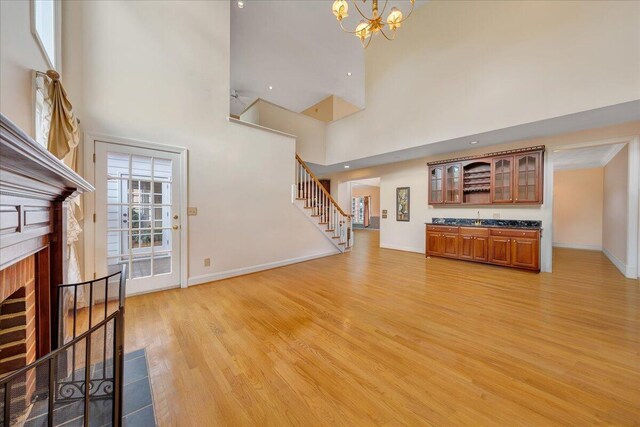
(138, 408)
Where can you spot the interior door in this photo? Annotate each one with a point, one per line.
(137, 223)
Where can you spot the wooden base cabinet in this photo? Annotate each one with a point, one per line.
(518, 248)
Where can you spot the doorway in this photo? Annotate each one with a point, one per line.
(365, 203)
(138, 215)
(593, 206)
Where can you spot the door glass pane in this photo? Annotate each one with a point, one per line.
(139, 217)
(162, 263)
(140, 266)
(141, 167)
(117, 165)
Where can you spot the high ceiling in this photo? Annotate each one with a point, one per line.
(297, 48)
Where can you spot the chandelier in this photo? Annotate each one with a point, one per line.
(371, 26)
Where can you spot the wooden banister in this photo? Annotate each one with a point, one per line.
(324, 190)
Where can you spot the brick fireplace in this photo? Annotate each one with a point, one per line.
(18, 323)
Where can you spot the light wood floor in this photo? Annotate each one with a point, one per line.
(382, 337)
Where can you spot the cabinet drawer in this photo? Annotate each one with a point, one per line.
(505, 232)
(442, 229)
(474, 231)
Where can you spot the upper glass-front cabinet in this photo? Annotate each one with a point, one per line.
(453, 184)
(505, 177)
(436, 185)
(527, 184)
(502, 180)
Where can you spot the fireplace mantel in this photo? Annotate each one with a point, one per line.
(34, 189)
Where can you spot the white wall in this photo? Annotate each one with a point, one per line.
(159, 72)
(614, 236)
(410, 235)
(20, 54)
(460, 68)
(309, 132)
(578, 208)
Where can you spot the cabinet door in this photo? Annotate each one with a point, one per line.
(453, 183)
(450, 245)
(527, 178)
(436, 185)
(466, 247)
(434, 243)
(480, 249)
(500, 250)
(525, 253)
(502, 180)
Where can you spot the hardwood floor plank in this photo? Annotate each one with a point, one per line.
(383, 337)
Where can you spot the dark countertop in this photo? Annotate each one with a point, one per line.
(487, 223)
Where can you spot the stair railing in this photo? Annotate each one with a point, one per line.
(323, 207)
(85, 374)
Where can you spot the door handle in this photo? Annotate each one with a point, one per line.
(175, 217)
(175, 227)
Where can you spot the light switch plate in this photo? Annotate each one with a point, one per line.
(192, 211)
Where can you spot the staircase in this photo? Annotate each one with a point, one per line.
(310, 196)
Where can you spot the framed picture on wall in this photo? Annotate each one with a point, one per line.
(403, 203)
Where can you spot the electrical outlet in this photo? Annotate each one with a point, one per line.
(207, 262)
(192, 211)
(496, 216)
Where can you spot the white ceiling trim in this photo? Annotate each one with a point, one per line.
(615, 149)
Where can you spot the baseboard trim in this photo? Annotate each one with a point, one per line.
(615, 261)
(403, 248)
(577, 246)
(150, 291)
(206, 278)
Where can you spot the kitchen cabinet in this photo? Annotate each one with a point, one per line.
(453, 184)
(511, 247)
(436, 185)
(506, 177)
(528, 182)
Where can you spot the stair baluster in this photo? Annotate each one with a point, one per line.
(321, 207)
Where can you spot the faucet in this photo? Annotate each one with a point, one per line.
(477, 221)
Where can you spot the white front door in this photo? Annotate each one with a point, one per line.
(137, 215)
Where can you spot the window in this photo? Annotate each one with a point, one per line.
(45, 25)
(357, 209)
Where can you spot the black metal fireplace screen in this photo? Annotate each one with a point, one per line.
(80, 381)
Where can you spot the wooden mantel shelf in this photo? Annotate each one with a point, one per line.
(34, 189)
(22, 159)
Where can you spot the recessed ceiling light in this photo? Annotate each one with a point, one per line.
(270, 87)
(346, 166)
(349, 74)
(473, 142)
(240, 4)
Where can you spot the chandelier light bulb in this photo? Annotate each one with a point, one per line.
(363, 31)
(340, 9)
(394, 20)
